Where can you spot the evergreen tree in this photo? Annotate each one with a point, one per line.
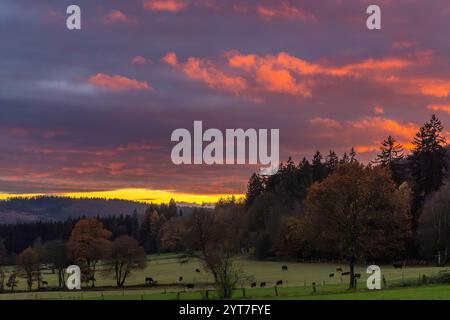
(353, 155)
(391, 156)
(331, 162)
(428, 161)
(345, 159)
(318, 168)
(255, 187)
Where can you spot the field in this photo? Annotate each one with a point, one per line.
(297, 283)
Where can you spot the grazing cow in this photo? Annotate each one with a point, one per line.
(284, 268)
(262, 285)
(398, 265)
(180, 279)
(279, 282)
(357, 275)
(149, 281)
(339, 269)
(345, 273)
(197, 270)
(253, 284)
(190, 286)
(331, 275)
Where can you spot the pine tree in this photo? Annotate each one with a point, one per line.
(428, 161)
(255, 187)
(318, 168)
(391, 156)
(332, 161)
(353, 155)
(345, 159)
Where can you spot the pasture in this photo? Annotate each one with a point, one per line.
(297, 282)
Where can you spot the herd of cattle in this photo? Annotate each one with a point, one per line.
(150, 282)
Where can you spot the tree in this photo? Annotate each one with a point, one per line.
(56, 255)
(433, 226)
(391, 157)
(428, 162)
(88, 244)
(12, 281)
(353, 155)
(357, 213)
(331, 162)
(255, 187)
(3, 256)
(318, 168)
(28, 263)
(126, 255)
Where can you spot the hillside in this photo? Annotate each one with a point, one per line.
(61, 208)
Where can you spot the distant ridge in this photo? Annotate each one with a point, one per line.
(45, 208)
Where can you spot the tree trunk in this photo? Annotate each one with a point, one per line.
(352, 274)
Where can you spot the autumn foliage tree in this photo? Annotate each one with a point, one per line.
(28, 263)
(357, 213)
(88, 244)
(125, 255)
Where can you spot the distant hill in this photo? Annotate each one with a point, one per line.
(47, 208)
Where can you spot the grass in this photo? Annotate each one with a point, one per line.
(297, 282)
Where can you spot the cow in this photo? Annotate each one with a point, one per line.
(44, 283)
(197, 270)
(279, 282)
(180, 279)
(190, 286)
(149, 281)
(345, 273)
(331, 275)
(397, 265)
(262, 285)
(284, 268)
(253, 284)
(357, 275)
(339, 269)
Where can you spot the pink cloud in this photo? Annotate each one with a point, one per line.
(325, 122)
(138, 60)
(117, 83)
(439, 107)
(165, 5)
(378, 110)
(117, 16)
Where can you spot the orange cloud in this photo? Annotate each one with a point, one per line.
(204, 71)
(117, 16)
(165, 5)
(388, 126)
(117, 83)
(445, 108)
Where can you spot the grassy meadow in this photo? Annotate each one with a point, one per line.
(297, 282)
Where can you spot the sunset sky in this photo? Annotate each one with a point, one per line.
(93, 110)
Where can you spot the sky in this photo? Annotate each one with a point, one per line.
(91, 111)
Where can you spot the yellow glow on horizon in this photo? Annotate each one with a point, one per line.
(142, 195)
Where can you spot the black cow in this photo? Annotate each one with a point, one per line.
(44, 283)
(284, 268)
(279, 282)
(149, 281)
(190, 286)
(345, 273)
(262, 285)
(253, 284)
(339, 269)
(397, 265)
(331, 275)
(357, 275)
(197, 270)
(180, 279)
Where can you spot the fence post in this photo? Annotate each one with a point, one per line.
(178, 295)
(243, 292)
(276, 291)
(314, 287)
